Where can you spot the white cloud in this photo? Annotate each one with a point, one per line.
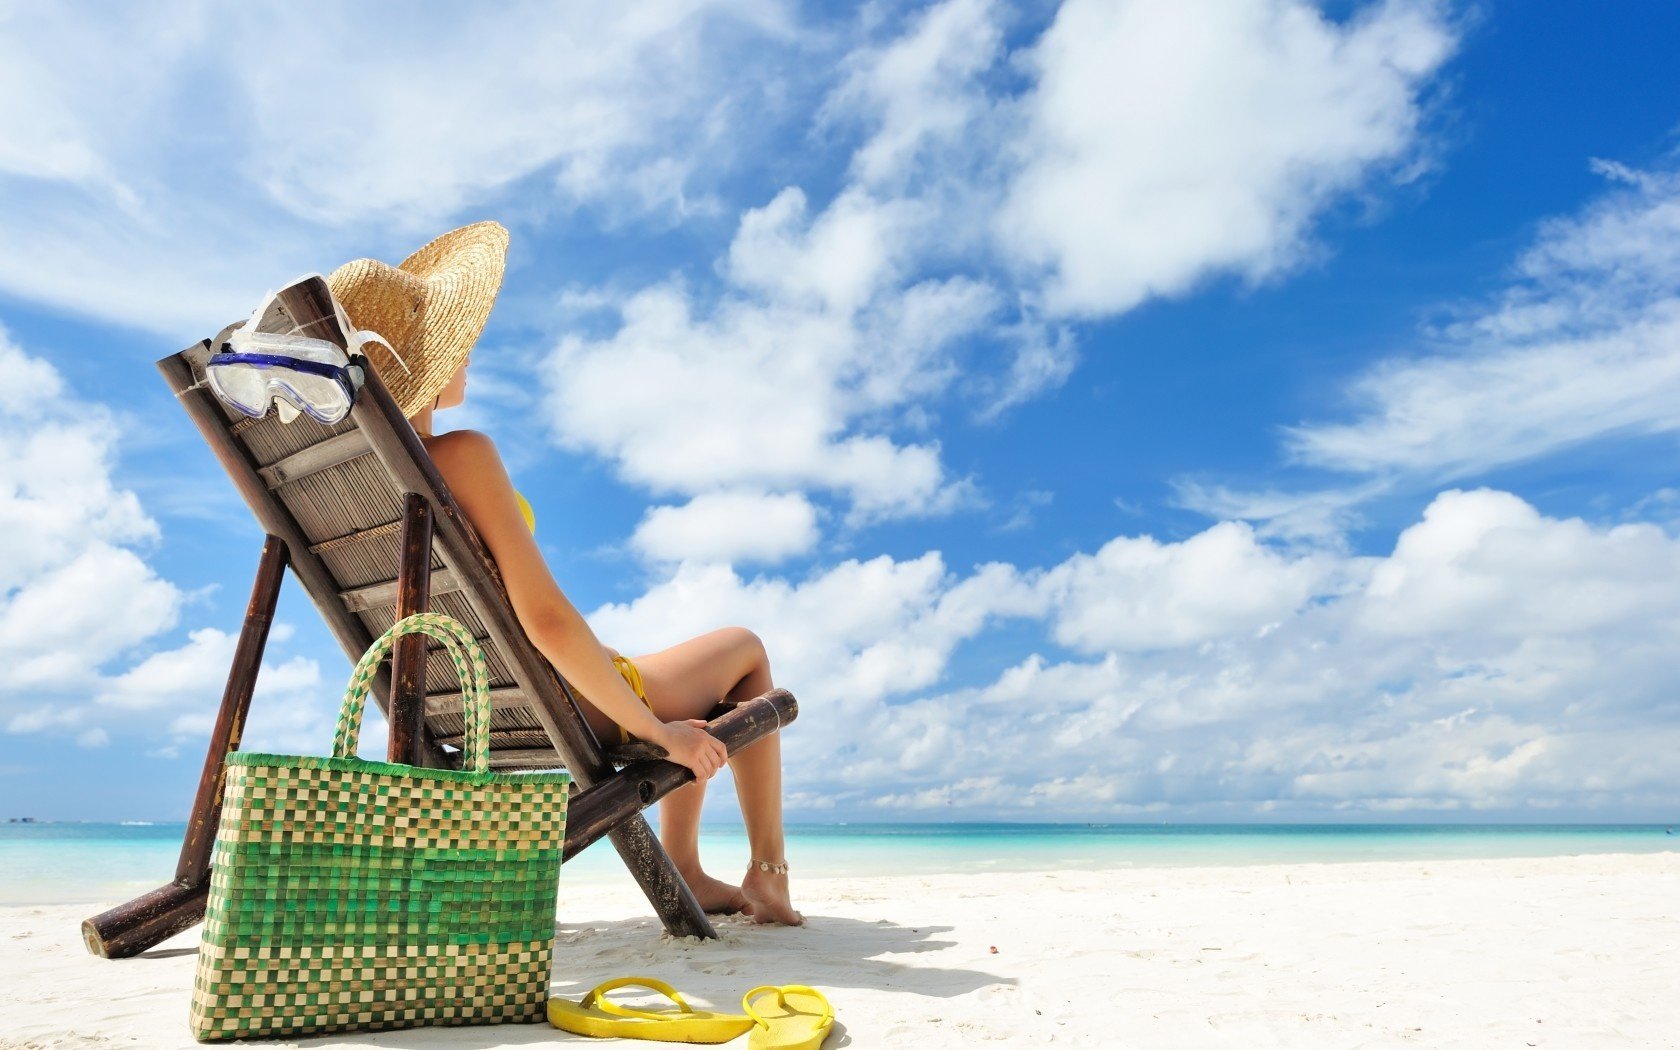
(163, 679)
(1583, 345)
(56, 456)
(1321, 516)
(1137, 593)
(1164, 142)
(839, 323)
(158, 175)
(762, 395)
(1453, 416)
(175, 694)
(293, 711)
(599, 95)
(1496, 660)
(73, 595)
(67, 131)
(1045, 356)
(729, 526)
(834, 325)
(835, 261)
(920, 90)
(1486, 564)
(63, 624)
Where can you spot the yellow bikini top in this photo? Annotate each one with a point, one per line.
(525, 509)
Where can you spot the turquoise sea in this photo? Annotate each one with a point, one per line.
(44, 863)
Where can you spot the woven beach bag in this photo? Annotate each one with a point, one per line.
(347, 894)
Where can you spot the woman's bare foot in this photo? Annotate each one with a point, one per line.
(767, 897)
(715, 896)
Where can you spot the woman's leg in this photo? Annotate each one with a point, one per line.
(686, 681)
(758, 785)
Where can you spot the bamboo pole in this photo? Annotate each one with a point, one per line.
(408, 660)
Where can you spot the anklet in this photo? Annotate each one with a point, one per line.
(775, 869)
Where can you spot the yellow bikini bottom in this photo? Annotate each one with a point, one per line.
(632, 675)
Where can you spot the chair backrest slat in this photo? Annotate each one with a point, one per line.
(315, 458)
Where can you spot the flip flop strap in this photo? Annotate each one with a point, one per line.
(781, 1000)
(597, 997)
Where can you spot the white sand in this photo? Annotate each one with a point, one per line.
(1564, 952)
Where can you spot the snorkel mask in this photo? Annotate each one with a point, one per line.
(269, 360)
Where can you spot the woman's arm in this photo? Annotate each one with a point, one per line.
(479, 482)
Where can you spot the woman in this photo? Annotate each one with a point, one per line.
(431, 309)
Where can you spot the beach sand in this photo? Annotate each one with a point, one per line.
(1556, 952)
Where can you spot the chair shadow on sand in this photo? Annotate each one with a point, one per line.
(168, 953)
(847, 952)
(831, 953)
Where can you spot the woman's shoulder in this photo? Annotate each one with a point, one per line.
(459, 442)
(453, 436)
(465, 456)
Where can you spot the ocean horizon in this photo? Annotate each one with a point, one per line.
(66, 862)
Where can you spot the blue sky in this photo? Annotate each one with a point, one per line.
(1102, 410)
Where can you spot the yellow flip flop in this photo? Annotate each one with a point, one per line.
(599, 1016)
(800, 1020)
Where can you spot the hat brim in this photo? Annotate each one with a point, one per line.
(433, 307)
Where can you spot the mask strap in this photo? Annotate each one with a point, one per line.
(362, 338)
(249, 328)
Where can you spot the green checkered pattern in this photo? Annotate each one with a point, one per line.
(347, 894)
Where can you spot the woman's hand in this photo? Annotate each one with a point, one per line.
(688, 744)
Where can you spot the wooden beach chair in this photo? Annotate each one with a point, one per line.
(360, 514)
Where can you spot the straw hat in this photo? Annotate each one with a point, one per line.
(431, 308)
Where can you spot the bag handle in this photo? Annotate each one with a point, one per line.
(470, 667)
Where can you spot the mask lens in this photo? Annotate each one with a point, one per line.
(243, 386)
(323, 398)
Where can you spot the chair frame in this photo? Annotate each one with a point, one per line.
(606, 801)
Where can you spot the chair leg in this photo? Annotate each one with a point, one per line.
(637, 846)
(666, 891)
(131, 928)
(408, 660)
